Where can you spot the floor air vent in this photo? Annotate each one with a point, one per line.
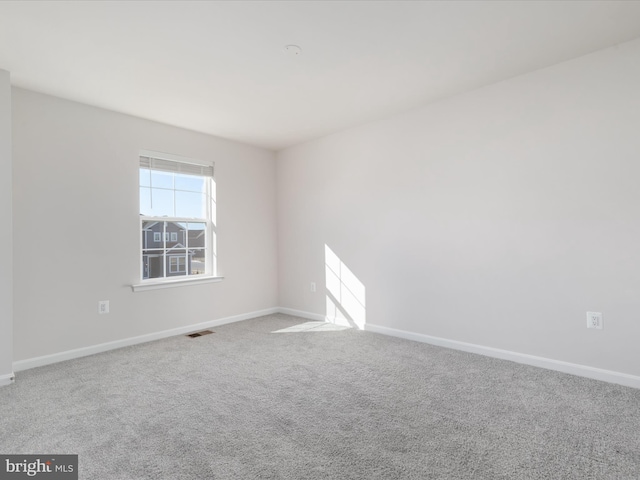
(199, 334)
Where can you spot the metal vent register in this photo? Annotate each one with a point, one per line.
(199, 334)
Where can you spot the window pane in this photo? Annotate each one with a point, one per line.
(190, 205)
(197, 235)
(152, 235)
(177, 262)
(145, 177)
(161, 179)
(152, 264)
(197, 261)
(190, 183)
(156, 202)
(145, 200)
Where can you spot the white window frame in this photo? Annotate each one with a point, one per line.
(210, 249)
(174, 237)
(157, 237)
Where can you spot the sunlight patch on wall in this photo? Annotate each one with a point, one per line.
(345, 293)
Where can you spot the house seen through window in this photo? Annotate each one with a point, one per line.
(177, 218)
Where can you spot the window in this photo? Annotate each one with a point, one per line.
(177, 218)
(177, 264)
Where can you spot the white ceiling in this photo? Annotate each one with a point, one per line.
(220, 67)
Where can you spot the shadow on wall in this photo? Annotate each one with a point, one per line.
(345, 293)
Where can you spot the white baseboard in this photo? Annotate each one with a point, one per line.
(550, 364)
(7, 379)
(318, 317)
(126, 342)
(565, 367)
(303, 314)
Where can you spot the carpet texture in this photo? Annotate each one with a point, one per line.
(264, 399)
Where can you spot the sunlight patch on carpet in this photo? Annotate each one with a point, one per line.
(313, 327)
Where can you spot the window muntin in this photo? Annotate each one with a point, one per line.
(177, 212)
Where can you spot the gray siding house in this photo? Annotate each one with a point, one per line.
(168, 242)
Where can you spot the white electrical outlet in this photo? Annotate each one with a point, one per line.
(103, 306)
(594, 320)
(313, 286)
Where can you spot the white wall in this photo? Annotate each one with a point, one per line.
(498, 217)
(76, 222)
(6, 239)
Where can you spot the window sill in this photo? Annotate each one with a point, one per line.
(155, 285)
